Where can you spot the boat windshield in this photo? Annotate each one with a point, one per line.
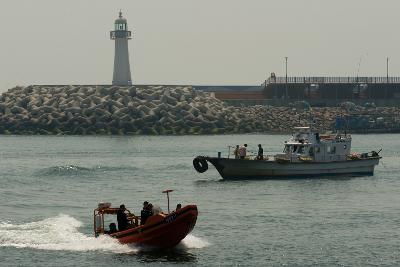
(298, 149)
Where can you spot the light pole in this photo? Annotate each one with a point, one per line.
(286, 89)
(387, 76)
(387, 69)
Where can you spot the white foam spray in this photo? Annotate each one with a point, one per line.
(57, 233)
(61, 233)
(192, 241)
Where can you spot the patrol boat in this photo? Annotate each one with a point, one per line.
(161, 230)
(306, 154)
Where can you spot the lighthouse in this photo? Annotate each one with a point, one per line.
(121, 35)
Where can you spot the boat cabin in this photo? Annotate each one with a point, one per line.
(99, 214)
(305, 145)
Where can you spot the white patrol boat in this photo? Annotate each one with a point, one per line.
(306, 154)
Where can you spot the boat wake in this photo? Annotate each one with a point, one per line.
(61, 233)
(56, 233)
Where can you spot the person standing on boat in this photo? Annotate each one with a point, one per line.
(236, 152)
(260, 154)
(242, 151)
(146, 212)
(122, 219)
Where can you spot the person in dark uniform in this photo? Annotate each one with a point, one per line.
(144, 214)
(113, 228)
(122, 219)
(260, 154)
(178, 207)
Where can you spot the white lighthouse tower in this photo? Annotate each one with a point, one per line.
(121, 35)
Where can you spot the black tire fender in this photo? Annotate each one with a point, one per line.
(200, 164)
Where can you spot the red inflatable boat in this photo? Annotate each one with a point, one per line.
(161, 230)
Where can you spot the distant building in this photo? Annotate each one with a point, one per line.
(121, 35)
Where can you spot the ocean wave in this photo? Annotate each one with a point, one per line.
(61, 233)
(69, 170)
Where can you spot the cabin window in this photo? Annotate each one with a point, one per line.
(344, 146)
(311, 151)
(318, 149)
(331, 149)
(300, 150)
(286, 149)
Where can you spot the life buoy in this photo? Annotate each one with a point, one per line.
(200, 164)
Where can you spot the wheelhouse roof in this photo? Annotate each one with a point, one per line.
(109, 210)
(298, 143)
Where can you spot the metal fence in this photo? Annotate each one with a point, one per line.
(332, 80)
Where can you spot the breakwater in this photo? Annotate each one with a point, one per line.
(149, 110)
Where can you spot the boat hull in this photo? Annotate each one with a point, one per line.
(261, 169)
(161, 231)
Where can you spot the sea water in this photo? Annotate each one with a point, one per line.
(49, 186)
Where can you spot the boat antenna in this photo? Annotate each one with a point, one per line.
(167, 192)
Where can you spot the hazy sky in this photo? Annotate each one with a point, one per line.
(196, 42)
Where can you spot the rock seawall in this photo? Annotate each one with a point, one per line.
(153, 110)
